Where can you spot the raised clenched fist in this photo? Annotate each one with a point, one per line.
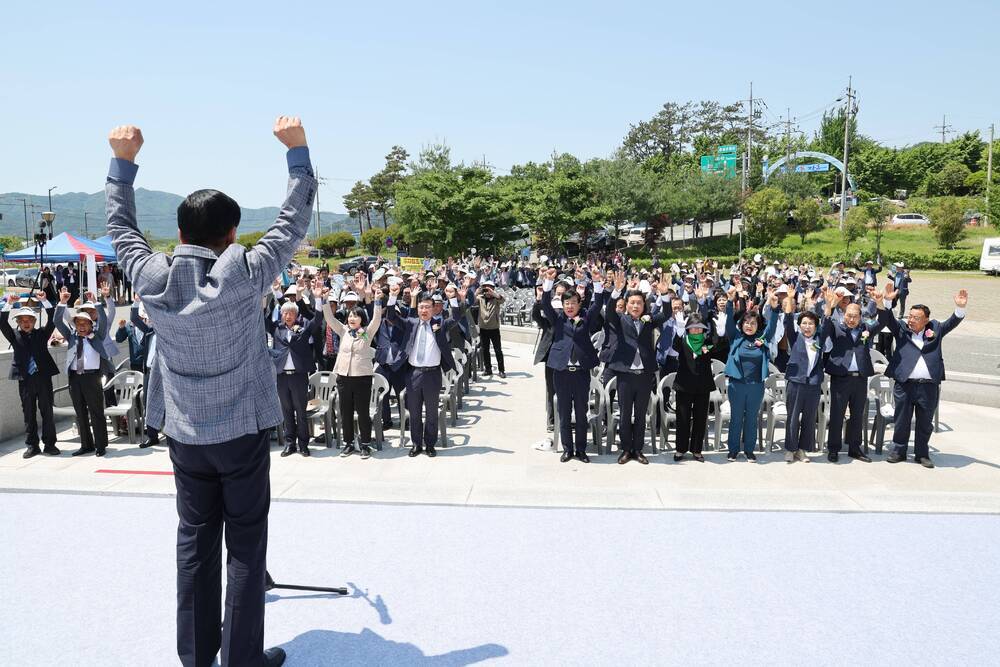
(289, 131)
(125, 140)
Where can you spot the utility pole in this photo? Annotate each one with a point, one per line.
(788, 140)
(27, 237)
(86, 232)
(944, 127)
(848, 110)
(989, 175)
(746, 156)
(317, 203)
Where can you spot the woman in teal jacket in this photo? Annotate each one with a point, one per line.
(746, 368)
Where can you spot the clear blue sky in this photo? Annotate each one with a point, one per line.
(509, 80)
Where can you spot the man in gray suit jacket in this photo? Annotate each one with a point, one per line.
(212, 389)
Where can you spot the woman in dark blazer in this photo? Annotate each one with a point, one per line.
(804, 377)
(693, 384)
(746, 368)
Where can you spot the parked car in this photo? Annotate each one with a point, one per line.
(972, 217)
(9, 277)
(910, 219)
(315, 253)
(989, 261)
(26, 277)
(598, 240)
(624, 230)
(636, 235)
(362, 262)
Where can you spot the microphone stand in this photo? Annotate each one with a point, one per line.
(269, 584)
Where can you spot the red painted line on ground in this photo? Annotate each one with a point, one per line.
(137, 472)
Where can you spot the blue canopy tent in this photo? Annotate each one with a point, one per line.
(67, 248)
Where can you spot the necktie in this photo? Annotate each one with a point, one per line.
(329, 341)
(421, 338)
(79, 354)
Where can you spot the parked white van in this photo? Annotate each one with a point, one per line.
(990, 259)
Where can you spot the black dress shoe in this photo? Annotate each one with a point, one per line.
(503, 375)
(566, 456)
(860, 457)
(431, 452)
(51, 450)
(624, 457)
(83, 450)
(347, 451)
(100, 452)
(678, 457)
(751, 457)
(926, 462)
(641, 458)
(416, 450)
(288, 450)
(583, 458)
(699, 458)
(732, 456)
(148, 443)
(833, 457)
(31, 451)
(895, 458)
(304, 450)
(274, 657)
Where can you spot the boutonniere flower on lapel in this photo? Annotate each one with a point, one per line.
(435, 327)
(864, 335)
(646, 319)
(928, 334)
(296, 329)
(759, 342)
(577, 321)
(815, 346)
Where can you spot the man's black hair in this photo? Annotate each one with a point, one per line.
(921, 307)
(205, 217)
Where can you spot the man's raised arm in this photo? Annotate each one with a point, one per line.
(277, 247)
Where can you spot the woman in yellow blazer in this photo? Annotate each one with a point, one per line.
(354, 367)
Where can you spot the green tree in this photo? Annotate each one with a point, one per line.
(765, 216)
(358, 204)
(11, 243)
(949, 181)
(395, 232)
(947, 222)
(373, 240)
(855, 227)
(807, 218)
(877, 216)
(877, 170)
(249, 239)
(383, 184)
(337, 243)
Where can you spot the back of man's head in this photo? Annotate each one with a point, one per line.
(206, 218)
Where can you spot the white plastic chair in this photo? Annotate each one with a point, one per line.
(667, 409)
(126, 385)
(323, 405)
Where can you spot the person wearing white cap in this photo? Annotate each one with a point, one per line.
(489, 305)
(83, 363)
(33, 368)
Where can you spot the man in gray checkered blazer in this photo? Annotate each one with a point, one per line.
(212, 389)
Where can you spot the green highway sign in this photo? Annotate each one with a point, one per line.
(727, 148)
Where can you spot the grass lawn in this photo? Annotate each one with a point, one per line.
(335, 261)
(898, 238)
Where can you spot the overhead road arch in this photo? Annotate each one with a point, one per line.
(770, 168)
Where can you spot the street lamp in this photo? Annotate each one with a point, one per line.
(50, 195)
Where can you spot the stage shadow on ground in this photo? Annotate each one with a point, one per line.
(327, 647)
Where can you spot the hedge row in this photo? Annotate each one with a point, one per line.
(940, 260)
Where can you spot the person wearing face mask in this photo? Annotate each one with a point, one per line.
(693, 384)
(633, 361)
(83, 364)
(849, 364)
(804, 377)
(746, 368)
(355, 369)
(571, 357)
(33, 368)
(918, 369)
(291, 352)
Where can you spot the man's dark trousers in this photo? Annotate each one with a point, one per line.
(489, 337)
(910, 397)
(293, 390)
(423, 390)
(573, 395)
(36, 397)
(397, 382)
(224, 485)
(847, 391)
(634, 392)
(550, 391)
(87, 395)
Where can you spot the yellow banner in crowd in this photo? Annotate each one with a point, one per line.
(412, 264)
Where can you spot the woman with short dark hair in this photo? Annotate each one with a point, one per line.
(804, 377)
(693, 384)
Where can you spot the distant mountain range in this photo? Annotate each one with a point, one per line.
(157, 213)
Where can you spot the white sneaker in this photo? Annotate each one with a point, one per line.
(546, 445)
(800, 454)
(790, 456)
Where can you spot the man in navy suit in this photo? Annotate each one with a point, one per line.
(849, 364)
(390, 353)
(901, 285)
(571, 356)
(428, 352)
(292, 354)
(634, 362)
(918, 369)
(33, 368)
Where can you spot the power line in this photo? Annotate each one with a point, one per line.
(944, 127)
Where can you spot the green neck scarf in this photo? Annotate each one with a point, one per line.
(695, 342)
